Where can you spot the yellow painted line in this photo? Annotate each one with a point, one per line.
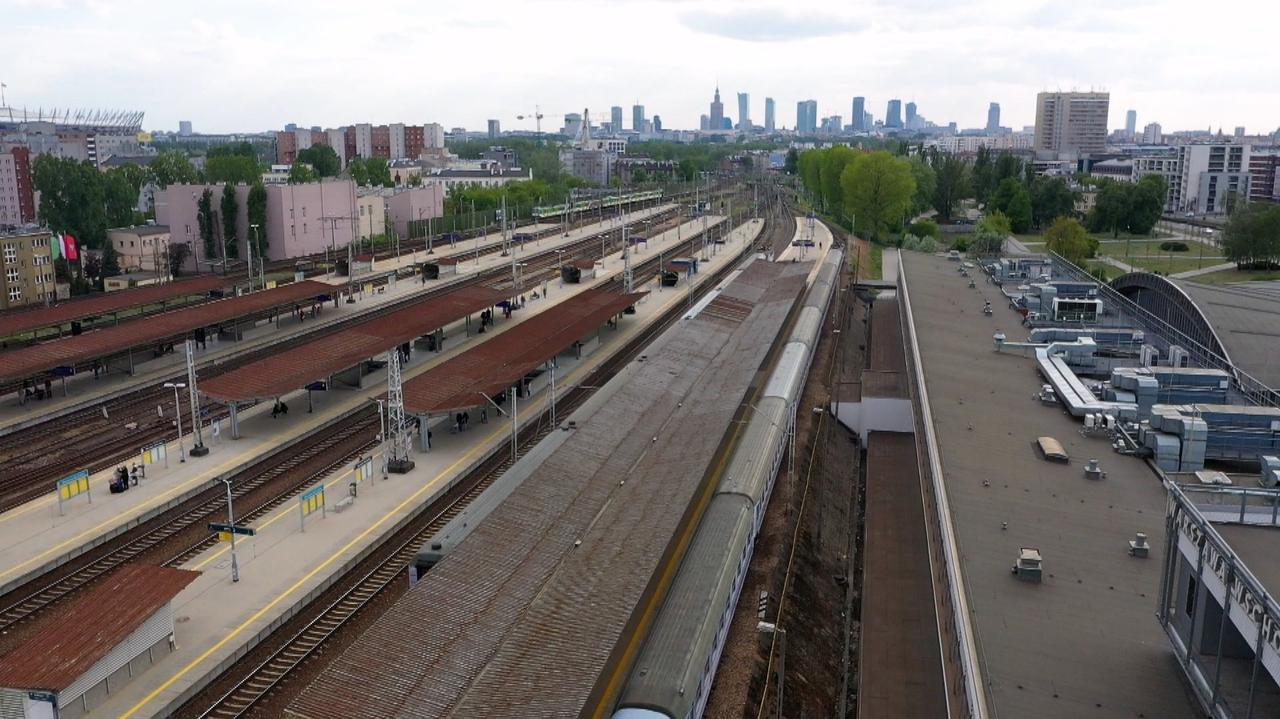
(498, 431)
(305, 578)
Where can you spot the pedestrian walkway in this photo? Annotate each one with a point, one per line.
(1204, 271)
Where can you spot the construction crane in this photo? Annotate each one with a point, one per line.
(536, 117)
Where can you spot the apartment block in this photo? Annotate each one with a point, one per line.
(1201, 177)
(1071, 124)
(26, 269)
(1264, 175)
(142, 248)
(302, 219)
(17, 194)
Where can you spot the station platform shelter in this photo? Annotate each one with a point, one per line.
(101, 349)
(342, 356)
(109, 308)
(101, 641)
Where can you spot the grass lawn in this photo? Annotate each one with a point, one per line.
(1165, 265)
(1109, 271)
(876, 269)
(1225, 276)
(1152, 247)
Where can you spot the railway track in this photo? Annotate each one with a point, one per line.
(166, 537)
(175, 536)
(93, 437)
(263, 671)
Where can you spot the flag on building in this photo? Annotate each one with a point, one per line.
(64, 246)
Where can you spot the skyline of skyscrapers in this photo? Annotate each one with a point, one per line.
(716, 118)
(893, 114)
(769, 125)
(615, 117)
(807, 116)
(744, 111)
(637, 117)
(911, 115)
(1131, 123)
(993, 117)
(858, 117)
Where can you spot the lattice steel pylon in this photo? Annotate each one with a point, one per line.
(398, 448)
(628, 277)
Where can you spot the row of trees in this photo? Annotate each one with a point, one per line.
(219, 228)
(874, 191)
(1128, 207)
(1252, 238)
(77, 198)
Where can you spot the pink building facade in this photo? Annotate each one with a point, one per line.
(411, 204)
(301, 219)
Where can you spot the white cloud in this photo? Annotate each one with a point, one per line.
(257, 64)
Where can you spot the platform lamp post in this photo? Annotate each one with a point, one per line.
(257, 240)
(177, 412)
(231, 522)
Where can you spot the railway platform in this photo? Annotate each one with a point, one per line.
(289, 562)
(820, 236)
(84, 389)
(35, 537)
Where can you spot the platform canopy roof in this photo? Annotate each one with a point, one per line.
(110, 341)
(91, 626)
(295, 368)
(491, 367)
(15, 322)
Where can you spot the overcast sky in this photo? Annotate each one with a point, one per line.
(258, 64)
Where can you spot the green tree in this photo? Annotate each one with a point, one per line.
(301, 173)
(639, 177)
(257, 210)
(926, 184)
(834, 160)
(809, 166)
(1051, 198)
(72, 198)
(323, 159)
(178, 253)
(792, 161)
(120, 200)
(951, 184)
(990, 234)
(1252, 237)
(134, 175)
(172, 167)
(110, 261)
(232, 169)
(204, 218)
(1008, 167)
(230, 213)
(371, 172)
(923, 228)
(1112, 208)
(984, 175)
(1069, 238)
(1012, 199)
(1146, 204)
(878, 189)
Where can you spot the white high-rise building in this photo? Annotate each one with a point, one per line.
(433, 135)
(1152, 134)
(1071, 124)
(396, 134)
(364, 140)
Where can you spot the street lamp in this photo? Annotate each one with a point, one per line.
(177, 412)
(231, 522)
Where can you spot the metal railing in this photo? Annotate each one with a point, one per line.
(1235, 505)
(1247, 385)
